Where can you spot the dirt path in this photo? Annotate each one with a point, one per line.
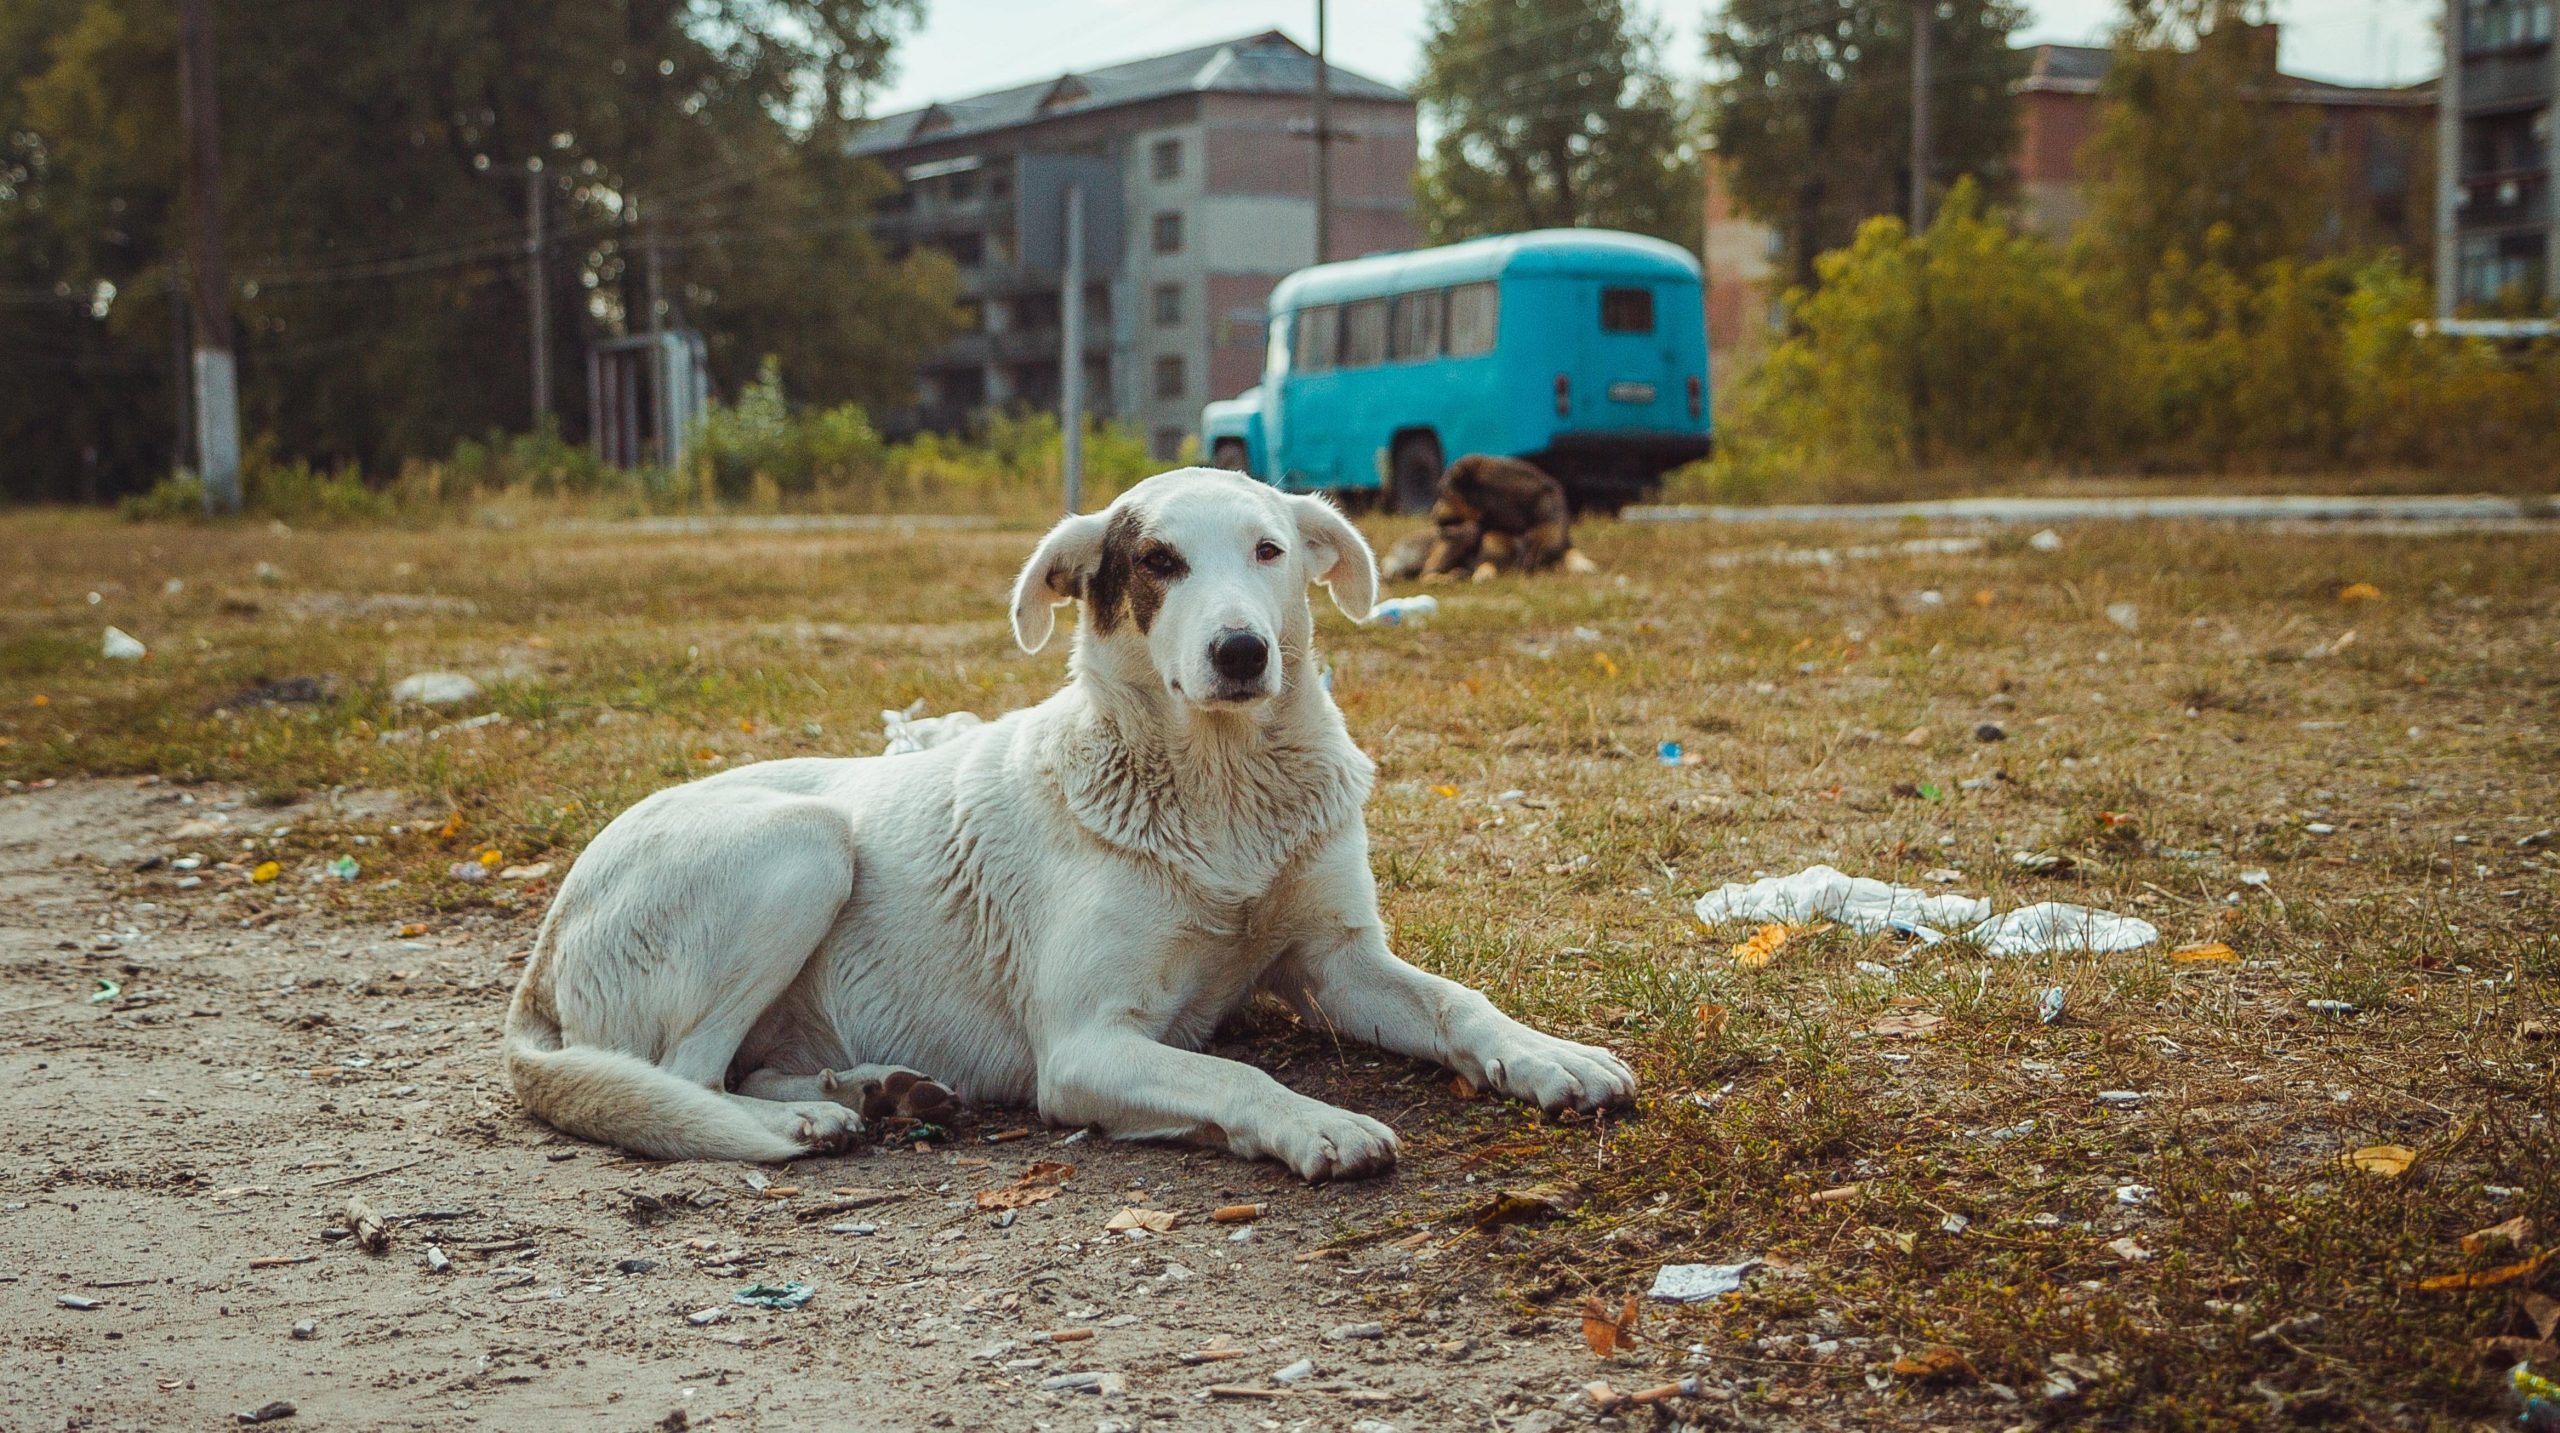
(218, 1112)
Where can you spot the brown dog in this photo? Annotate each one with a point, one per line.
(1494, 514)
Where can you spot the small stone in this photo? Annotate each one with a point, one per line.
(1294, 1372)
(305, 1329)
(635, 1266)
(1991, 731)
(436, 689)
(75, 1301)
(267, 1412)
(1343, 1332)
(704, 1318)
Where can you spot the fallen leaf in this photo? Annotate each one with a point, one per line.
(1711, 1022)
(452, 826)
(1018, 1196)
(2210, 951)
(1603, 1330)
(1444, 792)
(2544, 1310)
(413, 928)
(2388, 1160)
(1906, 1027)
(1606, 666)
(266, 871)
(1048, 1171)
(2513, 1233)
(1762, 947)
(1156, 1221)
(2512, 1349)
(1935, 1365)
(1461, 1087)
(2487, 1278)
(2359, 592)
(1528, 1202)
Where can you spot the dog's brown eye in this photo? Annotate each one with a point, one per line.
(1266, 550)
(1163, 563)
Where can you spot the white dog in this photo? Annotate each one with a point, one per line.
(1056, 907)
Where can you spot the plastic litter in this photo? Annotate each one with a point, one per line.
(773, 1296)
(911, 730)
(123, 646)
(2049, 1004)
(2051, 925)
(1692, 1283)
(1396, 611)
(1864, 905)
(2046, 541)
(1668, 753)
(107, 990)
(436, 689)
(1870, 906)
(345, 868)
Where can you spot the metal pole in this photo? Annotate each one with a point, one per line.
(1923, 13)
(1071, 353)
(1324, 139)
(538, 291)
(661, 383)
(2449, 165)
(2551, 181)
(217, 376)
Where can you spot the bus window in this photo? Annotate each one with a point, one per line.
(1364, 333)
(1316, 335)
(1475, 312)
(1415, 332)
(1626, 310)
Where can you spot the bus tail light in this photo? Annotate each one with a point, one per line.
(1697, 397)
(1564, 396)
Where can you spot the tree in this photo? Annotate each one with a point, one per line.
(375, 162)
(2196, 154)
(1552, 114)
(1811, 109)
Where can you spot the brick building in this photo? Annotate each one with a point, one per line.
(1197, 171)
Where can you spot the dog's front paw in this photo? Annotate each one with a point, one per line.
(1560, 1075)
(824, 1127)
(1331, 1144)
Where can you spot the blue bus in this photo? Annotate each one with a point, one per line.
(1582, 350)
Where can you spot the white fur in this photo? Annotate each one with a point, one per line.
(1057, 907)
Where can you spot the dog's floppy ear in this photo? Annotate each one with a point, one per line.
(1337, 556)
(1056, 573)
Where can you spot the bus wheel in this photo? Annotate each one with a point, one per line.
(1414, 473)
(1229, 453)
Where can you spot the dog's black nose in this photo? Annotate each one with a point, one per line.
(1239, 656)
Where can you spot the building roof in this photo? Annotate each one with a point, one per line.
(1269, 63)
(2082, 70)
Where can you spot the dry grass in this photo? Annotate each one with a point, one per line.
(2166, 760)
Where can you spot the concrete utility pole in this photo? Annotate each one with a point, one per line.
(538, 292)
(1324, 139)
(2449, 165)
(1924, 14)
(1071, 353)
(217, 376)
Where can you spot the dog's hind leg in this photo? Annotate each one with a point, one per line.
(877, 1091)
(671, 938)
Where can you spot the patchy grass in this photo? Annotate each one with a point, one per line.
(1828, 713)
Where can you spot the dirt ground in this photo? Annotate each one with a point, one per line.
(180, 1153)
(2294, 1165)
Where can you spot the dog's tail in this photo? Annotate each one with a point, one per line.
(622, 1100)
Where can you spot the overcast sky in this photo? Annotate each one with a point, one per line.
(968, 46)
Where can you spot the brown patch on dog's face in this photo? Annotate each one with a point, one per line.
(1132, 576)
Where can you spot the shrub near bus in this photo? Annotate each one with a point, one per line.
(1581, 350)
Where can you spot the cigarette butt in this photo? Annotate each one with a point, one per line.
(1245, 1390)
(1068, 1335)
(1834, 1196)
(1214, 1355)
(1008, 1136)
(1236, 1213)
(279, 1261)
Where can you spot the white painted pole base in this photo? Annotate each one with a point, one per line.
(218, 430)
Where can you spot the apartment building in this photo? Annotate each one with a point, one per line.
(2506, 207)
(1196, 171)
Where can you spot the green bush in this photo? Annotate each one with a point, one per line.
(1974, 344)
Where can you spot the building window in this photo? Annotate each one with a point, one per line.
(1168, 444)
(1168, 305)
(1319, 330)
(1165, 161)
(1364, 333)
(1169, 376)
(1415, 331)
(1475, 313)
(1628, 310)
(1168, 232)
